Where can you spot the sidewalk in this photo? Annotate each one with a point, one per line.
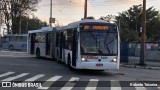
(148, 66)
(7, 53)
(15, 50)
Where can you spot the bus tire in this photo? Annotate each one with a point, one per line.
(57, 56)
(38, 53)
(69, 63)
(10, 47)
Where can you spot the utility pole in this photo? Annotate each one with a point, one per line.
(143, 36)
(85, 10)
(119, 24)
(50, 14)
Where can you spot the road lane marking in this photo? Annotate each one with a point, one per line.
(35, 77)
(49, 82)
(93, 82)
(115, 85)
(6, 74)
(15, 77)
(69, 85)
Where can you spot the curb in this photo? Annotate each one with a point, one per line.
(142, 67)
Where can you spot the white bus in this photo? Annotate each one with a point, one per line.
(89, 44)
(14, 42)
(40, 42)
(86, 44)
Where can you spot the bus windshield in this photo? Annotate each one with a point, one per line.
(99, 42)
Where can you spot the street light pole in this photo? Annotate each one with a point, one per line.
(143, 36)
(119, 23)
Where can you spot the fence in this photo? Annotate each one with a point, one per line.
(130, 54)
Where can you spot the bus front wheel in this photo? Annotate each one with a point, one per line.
(10, 47)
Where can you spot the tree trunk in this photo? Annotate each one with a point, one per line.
(20, 21)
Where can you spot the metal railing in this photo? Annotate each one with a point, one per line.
(152, 56)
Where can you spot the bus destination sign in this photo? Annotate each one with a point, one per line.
(95, 27)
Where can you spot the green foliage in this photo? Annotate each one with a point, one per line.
(90, 17)
(14, 11)
(131, 19)
(36, 23)
(129, 35)
(108, 18)
(32, 24)
(153, 24)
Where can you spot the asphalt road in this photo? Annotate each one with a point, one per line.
(20, 67)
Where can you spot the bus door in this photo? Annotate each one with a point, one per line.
(32, 46)
(74, 48)
(61, 44)
(48, 43)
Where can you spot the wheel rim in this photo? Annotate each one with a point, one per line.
(37, 54)
(10, 47)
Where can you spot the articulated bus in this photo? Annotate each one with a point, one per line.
(86, 44)
(41, 42)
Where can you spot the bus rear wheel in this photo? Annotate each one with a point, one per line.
(10, 47)
(69, 63)
(38, 53)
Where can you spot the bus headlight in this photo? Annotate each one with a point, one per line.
(83, 59)
(114, 60)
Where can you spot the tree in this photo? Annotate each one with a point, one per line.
(32, 24)
(15, 10)
(91, 17)
(153, 24)
(132, 18)
(109, 18)
(35, 23)
(6, 10)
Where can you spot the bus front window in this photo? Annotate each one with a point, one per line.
(99, 42)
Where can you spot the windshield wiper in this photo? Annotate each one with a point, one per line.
(106, 41)
(100, 51)
(109, 43)
(112, 40)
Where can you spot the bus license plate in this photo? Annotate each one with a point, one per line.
(99, 65)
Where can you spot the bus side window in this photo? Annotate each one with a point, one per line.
(4, 40)
(66, 44)
(19, 38)
(69, 39)
(57, 39)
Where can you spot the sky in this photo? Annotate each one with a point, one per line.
(67, 11)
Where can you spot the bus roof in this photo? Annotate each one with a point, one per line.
(43, 29)
(76, 24)
(15, 35)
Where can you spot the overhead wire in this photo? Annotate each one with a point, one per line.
(93, 3)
